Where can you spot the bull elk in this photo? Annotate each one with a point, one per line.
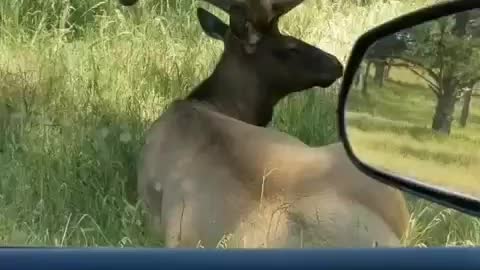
(210, 168)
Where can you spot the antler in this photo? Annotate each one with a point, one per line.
(264, 14)
(260, 12)
(225, 4)
(281, 7)
(128, 2)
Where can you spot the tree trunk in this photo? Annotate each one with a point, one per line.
(467, 98)
(461, 21)
(365, 79)
(379, 73)
(387, 72)
(358, 80)
(443, 117)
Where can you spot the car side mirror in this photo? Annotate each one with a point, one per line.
(409, 107)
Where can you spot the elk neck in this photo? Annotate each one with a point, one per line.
(235, 89)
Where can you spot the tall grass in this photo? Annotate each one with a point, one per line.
(82, 80)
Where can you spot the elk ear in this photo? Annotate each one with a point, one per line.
(211, 24)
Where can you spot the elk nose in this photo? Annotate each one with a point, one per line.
(332, 70)
(337, 66)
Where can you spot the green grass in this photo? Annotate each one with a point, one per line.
(81, 82)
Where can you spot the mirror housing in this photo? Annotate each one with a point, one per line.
(459, 201)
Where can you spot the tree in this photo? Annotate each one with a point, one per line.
(378, 54)
(447, 56)
(467, 98)
(469, 92)
(473, 20)
(361, 77)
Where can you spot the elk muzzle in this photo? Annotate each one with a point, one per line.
(331, 70)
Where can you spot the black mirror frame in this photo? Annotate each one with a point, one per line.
(460, 202)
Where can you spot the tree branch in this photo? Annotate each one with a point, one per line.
(435, 92)
(419, 64)
(431, 84)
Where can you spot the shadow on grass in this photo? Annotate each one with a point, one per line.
(369, 124)
(442, 157)
(68, 171)
(395, 101)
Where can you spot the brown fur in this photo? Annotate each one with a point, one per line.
(211, 171)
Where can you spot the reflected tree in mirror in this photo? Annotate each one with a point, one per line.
(378, 55)
(413, 107)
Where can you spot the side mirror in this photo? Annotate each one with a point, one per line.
(409, 107)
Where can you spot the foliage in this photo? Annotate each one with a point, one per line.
(445, 56)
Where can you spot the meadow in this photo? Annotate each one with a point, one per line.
(391, 129)
(82, 80)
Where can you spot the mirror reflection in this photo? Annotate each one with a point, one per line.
(414, 106)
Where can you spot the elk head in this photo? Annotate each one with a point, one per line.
(283, 64)
(259, 65)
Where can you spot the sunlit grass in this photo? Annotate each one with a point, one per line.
(446, 166)
(79, 88)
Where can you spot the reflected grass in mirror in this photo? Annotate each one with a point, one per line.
(414, 109)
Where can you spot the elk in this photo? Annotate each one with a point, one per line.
(210, 168)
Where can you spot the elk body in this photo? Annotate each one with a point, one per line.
(210, 168)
